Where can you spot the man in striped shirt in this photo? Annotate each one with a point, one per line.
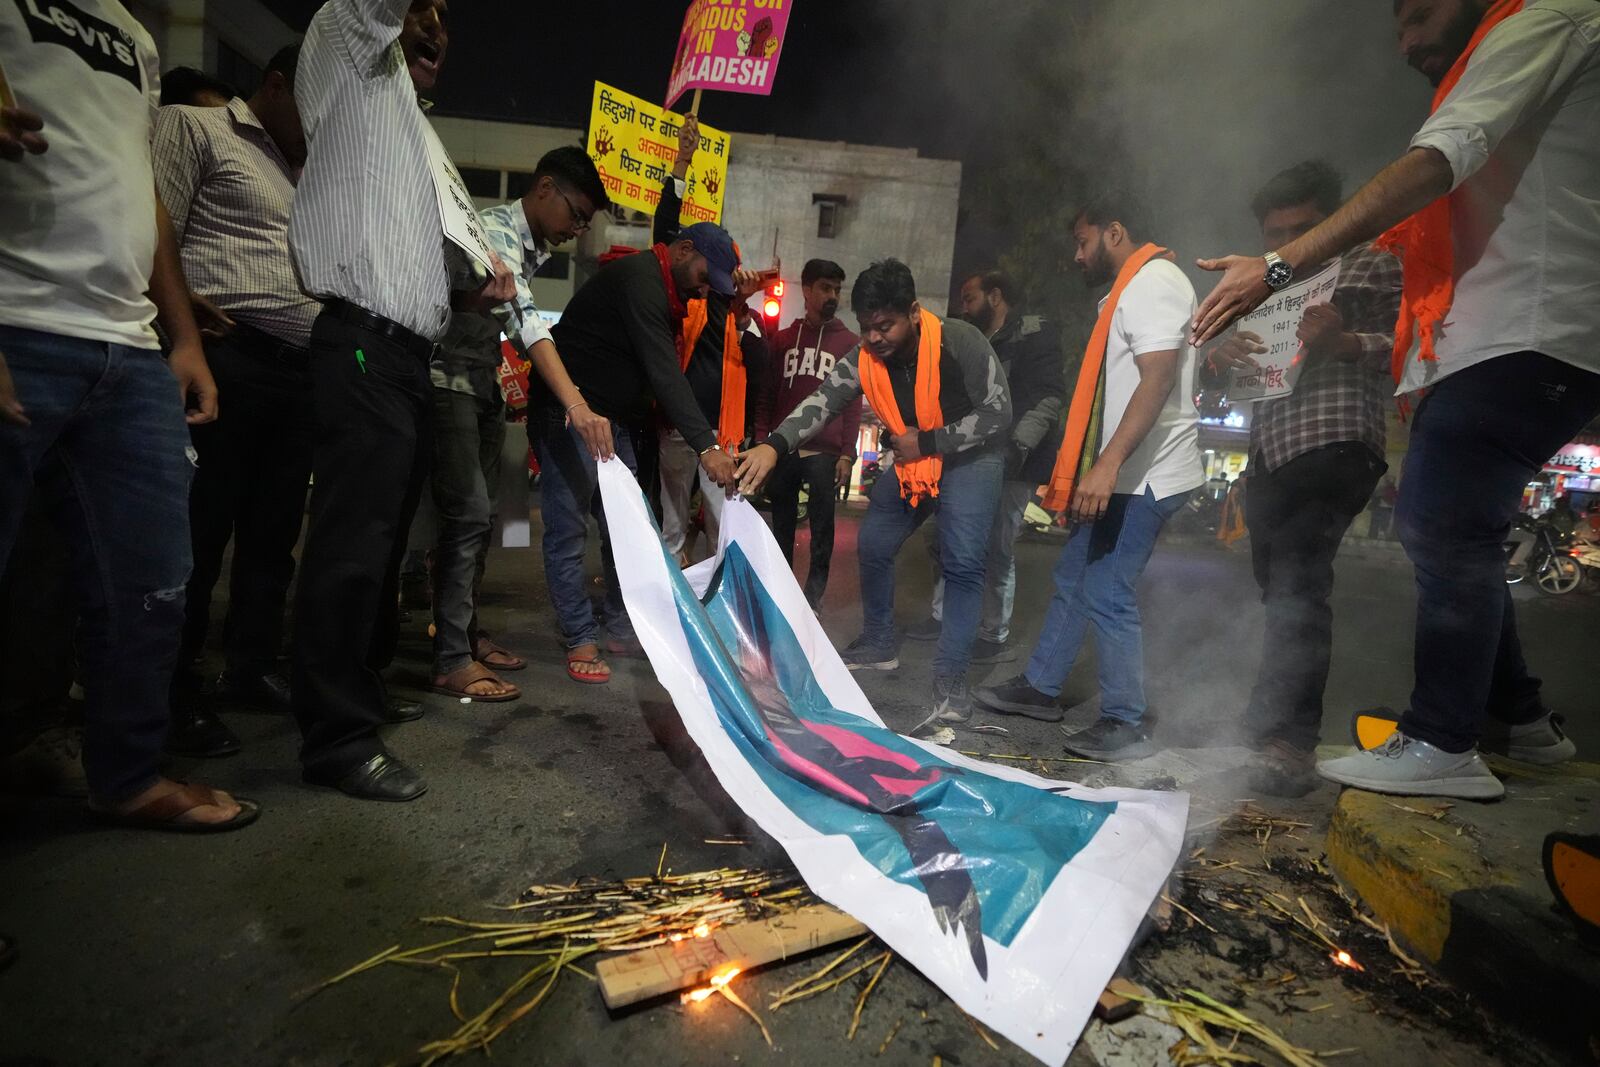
(226, 175)
(369, 242)
(1315, 457)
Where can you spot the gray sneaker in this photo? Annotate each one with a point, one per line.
(1541, 741)
(1111, 740)
(952, 703)
(925, 629)
(987, 651)
(864, 655)
(1408, 767)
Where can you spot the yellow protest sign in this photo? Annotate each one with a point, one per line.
(633, 143)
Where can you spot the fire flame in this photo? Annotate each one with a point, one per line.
(718, 981)
(1344, 959)
(702, 930)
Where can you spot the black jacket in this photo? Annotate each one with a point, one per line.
(616, 339)
(1029, 348)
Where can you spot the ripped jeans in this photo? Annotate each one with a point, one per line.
(109, 453)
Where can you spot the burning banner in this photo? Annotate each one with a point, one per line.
(1017, 895)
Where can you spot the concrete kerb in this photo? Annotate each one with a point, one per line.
(1460, 885)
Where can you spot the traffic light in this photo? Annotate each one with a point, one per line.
(772, 303)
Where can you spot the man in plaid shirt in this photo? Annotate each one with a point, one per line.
(469, 413)
(1315, 457)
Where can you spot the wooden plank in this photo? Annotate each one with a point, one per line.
(1115, 1004)
(653, 972)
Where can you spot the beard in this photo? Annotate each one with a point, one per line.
(1097, 266)
(828, 310)
(983, 318)
(1452, 42)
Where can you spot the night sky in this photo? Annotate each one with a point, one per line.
(1193, 104)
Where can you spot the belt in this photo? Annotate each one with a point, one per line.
(263, 345)
(411, 341)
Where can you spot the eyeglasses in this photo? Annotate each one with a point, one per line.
(580, 221)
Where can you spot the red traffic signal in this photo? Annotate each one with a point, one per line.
(776, 288)
(771, 308)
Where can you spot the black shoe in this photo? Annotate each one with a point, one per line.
(269, 691)
(925, 630)
(987, 651)
(1015, 696)
(198, 734)
(404, 711)
(1280, 769)
(860, 655)
(383, 777)
(1111, 739)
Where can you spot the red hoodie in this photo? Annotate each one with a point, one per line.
(802, 357)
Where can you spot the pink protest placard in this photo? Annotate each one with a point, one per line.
(731, 45)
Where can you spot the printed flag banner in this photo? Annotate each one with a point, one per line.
(731, 45)
(1017, 895)
(633, 143)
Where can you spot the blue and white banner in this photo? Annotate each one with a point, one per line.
(1017, 895)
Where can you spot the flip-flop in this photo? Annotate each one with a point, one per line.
(485, 648)
(163, 812)
(468, 676)
(590, 677)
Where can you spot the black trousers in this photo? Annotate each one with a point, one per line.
(1297, 515)
(370, 466)
(816, 473)
(252, 468)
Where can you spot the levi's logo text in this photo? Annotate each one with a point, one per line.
(103, 45)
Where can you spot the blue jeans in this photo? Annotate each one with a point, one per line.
(968, 494)
(568, 495)
(1097, 580)
(1478, 438)
(108, 452)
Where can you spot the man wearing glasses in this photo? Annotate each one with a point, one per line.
(469, 413)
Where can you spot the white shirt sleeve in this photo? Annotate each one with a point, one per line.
(1517, 68)
(1155, 309)
(369, 28)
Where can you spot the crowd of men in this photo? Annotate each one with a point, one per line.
(317, 329)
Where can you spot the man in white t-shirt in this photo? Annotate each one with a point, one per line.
(1502, 183)
(1148, 464)
(91, 414)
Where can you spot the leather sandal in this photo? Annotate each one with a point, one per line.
(165, 812)
(494, 656)
(458, 683)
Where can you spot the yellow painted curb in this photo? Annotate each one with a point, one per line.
(1405, 864)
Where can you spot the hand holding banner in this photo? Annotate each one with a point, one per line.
(732, 45)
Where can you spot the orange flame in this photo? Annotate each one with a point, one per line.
(1344, 959)
(720, 980)
(702, 930)
(695, 996)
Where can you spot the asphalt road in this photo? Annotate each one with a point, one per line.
(151, 949)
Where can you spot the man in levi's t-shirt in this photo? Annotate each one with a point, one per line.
(91, 413)
(1148, 464)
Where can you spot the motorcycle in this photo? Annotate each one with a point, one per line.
(1587, 553)
(1537, 550)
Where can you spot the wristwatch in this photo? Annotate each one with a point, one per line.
(1279, 273)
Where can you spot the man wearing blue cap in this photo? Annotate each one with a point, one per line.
(618, 340)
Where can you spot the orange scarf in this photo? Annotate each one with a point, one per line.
(919, 478)
(1081, 445)
(1423, 242)
(730, 419)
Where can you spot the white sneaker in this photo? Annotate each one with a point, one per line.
(1541, 741)
(1409, 767)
